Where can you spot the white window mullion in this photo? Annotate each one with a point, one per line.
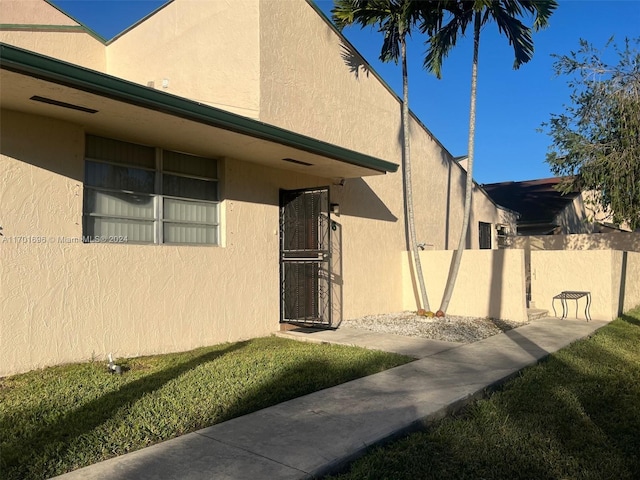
(159, 234)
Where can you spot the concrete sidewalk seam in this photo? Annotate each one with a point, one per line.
(244, 449)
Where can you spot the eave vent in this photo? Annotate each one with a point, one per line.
(58, 103)
(299, 162)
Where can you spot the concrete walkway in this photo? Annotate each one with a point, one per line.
(313, 435)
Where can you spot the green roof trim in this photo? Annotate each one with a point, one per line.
(143, 19)
(88, 30)
(50, 28)
(57, 71)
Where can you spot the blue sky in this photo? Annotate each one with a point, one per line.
(511, 104)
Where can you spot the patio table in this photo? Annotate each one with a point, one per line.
(572, 295)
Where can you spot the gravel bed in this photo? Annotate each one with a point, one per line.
(451, 328)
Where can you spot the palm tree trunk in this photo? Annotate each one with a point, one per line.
(457, 256)
(408, 196)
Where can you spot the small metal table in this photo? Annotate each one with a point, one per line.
(571, 295)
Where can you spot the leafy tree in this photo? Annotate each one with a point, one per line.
(395, 19)
(505, 14)
(596, 141)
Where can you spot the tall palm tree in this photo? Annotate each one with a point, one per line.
(505, 13)
(394, 19)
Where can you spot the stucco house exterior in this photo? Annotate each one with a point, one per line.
(203, 177)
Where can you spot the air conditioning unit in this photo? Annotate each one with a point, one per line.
(503, 235)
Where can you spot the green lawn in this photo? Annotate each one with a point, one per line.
(62, 418)
(575, 416)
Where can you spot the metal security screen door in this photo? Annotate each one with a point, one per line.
(305, 263)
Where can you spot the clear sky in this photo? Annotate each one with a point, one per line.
(511, 104)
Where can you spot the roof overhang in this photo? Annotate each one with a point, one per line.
(540, 228)
(121, 109)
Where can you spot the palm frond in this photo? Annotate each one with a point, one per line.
(393, 18)
(505, 13)
(541, 9)
(518, 35)
(441, 42)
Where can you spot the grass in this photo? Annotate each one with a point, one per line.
(574, 416)
(62, 418)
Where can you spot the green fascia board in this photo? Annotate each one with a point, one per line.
(51, 28)
(88, 30)
(97, 35)
(57, 71)
(143, 19)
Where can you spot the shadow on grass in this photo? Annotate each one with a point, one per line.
(575, 416)
(60, 433)
(268, 375)
(262, 448)
(630, 319)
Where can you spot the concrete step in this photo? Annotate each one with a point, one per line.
(536, 313)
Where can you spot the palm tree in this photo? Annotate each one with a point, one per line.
(394, 19)
(505, 13)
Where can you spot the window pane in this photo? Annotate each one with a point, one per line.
(135, 231)
(189, 188)
(120, 152)
(119, 178)
(190, 211)
(118, 204)
(189, 164)
(180, 233)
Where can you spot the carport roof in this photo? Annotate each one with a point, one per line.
(108, 105)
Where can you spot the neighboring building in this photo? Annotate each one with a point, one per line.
(493, 235)
(543, 210)
(214, 169)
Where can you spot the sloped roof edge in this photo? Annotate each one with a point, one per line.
(84, 27)
(51, 69)
(373, 71)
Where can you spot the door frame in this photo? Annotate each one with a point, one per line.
(299, 258)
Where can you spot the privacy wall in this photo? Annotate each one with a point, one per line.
(611, 276)
(490, 283)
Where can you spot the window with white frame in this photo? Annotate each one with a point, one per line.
(148, 195)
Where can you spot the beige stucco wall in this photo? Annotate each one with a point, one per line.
(34, 12)
(75, 46)
(207, 51)
(583, 216)
(490, 283)
(64, 302)
(574, 218)
(596, 213)
(597, 271)
(305, 87)
(597, 241)
(71, 301)
(333, 96)
(630, 288)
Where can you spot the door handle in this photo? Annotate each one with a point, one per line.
(320, 257)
